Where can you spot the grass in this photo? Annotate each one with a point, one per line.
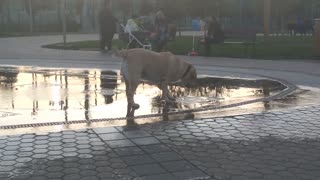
(24, 34)
(275, 47)
(5, 35)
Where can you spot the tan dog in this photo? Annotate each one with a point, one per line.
(156, 68)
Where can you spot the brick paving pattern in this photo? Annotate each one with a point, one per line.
(270, 145)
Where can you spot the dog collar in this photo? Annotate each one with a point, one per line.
(187, 71)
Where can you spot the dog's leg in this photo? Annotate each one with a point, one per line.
(131, 82)
(129, 106)
(129, 102)
(165, 92)
(133, 91)
(131, 87)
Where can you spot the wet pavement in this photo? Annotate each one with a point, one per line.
(274, 138)
(36, 95)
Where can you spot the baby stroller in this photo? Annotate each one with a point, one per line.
(135, 39)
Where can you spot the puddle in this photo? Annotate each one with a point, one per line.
(34, 95)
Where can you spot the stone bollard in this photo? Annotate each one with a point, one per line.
(317, 36)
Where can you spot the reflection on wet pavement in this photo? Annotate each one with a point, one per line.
(30, 95)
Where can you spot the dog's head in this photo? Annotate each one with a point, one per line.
(189, 78)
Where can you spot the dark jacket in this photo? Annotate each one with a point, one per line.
(107, 22)
(215, 32)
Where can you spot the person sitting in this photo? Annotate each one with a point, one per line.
(214, 34)
(132, 25)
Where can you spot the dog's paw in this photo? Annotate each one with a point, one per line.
(169, 99)
(135, 106)
(170, 102)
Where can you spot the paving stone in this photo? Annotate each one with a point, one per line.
(38, 178)
(112, 136)
(72, 177)
(52, 175)
(90, 178)
(161, 177)
(155, 148)
(9, 158)
(148, 169)
(166, 156)
(105, 130)
(194, 174)
(145, 141)
(176, 166)
(106, 175)
(85, 172)
(120, 143)
(6, 168)
(71, 170)
(83, 146)
(10, 152)
(6, 163)
(137, 159)
(136, 134)
(128, 151)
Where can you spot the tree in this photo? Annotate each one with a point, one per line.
(173, 10)
(126, 7)
(1, 5)
(33, 7)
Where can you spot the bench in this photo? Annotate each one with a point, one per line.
(244, 36)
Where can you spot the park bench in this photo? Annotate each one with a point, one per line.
(244, 36)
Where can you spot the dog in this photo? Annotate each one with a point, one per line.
(156, 68)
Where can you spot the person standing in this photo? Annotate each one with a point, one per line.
(108, 27)
(161, 29)
(213, 35)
